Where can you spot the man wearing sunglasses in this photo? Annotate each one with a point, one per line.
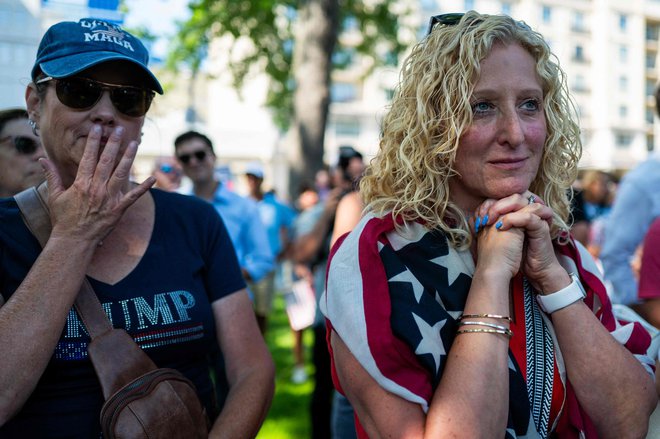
(20, 151)
(240, 214)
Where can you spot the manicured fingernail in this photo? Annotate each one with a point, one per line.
(476, 224)
(96, 129)
(498, 225)
(484, 222)
(119, 130)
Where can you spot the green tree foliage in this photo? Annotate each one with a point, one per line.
(284, 33)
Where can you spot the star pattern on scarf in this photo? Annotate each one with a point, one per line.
(431, 343)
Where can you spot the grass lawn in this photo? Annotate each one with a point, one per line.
(288, 417)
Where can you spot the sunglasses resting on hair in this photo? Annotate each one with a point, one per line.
(199, 155)
(83, 93)
(453, 18)
(24, 145)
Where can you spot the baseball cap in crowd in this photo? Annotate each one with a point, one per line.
(255, 168)
(70, 47)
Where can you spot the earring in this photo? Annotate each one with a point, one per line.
(35, 128)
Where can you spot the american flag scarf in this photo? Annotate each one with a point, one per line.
(394, 298)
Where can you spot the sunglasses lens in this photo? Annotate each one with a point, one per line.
(199, 155)
(78, 93)
(444, 19)
(131, 101)
(25, 145)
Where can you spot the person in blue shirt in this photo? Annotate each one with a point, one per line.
(277, 218)
(195, 152)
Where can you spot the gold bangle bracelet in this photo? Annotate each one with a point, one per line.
(506, 332)
(489, 316)
(487, 324)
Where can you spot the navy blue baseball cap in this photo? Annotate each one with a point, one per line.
(70, 47)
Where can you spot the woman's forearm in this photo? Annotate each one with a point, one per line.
(476, 362)
(247, 403)
(31, 321)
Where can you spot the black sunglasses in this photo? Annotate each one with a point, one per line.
(444, 20)
(24, 145)
(83, 93)
(453, 18)
(199, 155)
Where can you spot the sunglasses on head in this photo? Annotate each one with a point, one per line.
(24, 145)
(453, 18)
(199, 155)
(83, 93)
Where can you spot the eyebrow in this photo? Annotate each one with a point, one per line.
(491, 91)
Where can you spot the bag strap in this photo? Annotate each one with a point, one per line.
(107, 344)
(34, 212)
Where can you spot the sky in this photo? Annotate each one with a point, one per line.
(159, 17)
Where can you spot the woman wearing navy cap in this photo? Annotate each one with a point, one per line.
(161, 264)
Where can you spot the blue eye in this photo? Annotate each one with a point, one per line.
(481, 107)
(531, 105)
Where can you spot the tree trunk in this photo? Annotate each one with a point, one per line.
(315, 40)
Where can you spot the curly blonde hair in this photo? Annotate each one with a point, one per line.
(409, 177)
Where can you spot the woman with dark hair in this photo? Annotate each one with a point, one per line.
(460, 306)
(20, 151)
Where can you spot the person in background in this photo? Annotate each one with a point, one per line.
(459, 306)
(161, 263)
(312, 247)
(347, 216)
(168, 173)
(636, 205)
(322, 182)
(277, 218)
(20, 151)
(308, 198)
(196, 155)
(590, 202)
(645, 266)
(646, 269)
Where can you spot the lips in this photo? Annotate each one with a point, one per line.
(509, 163)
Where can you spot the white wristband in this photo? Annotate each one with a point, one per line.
(562, 298)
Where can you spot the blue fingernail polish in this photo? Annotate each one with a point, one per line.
(476, 224)
(485, 221)
(498, 225)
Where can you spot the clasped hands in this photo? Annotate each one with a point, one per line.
(513, 234)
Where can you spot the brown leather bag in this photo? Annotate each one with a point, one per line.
(141, 400)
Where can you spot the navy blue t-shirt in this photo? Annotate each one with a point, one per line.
(164, 304)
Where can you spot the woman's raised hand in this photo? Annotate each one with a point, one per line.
(101, 192)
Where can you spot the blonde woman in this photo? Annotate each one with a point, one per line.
(460, 306)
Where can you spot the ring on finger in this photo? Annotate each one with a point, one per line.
(531, 199)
